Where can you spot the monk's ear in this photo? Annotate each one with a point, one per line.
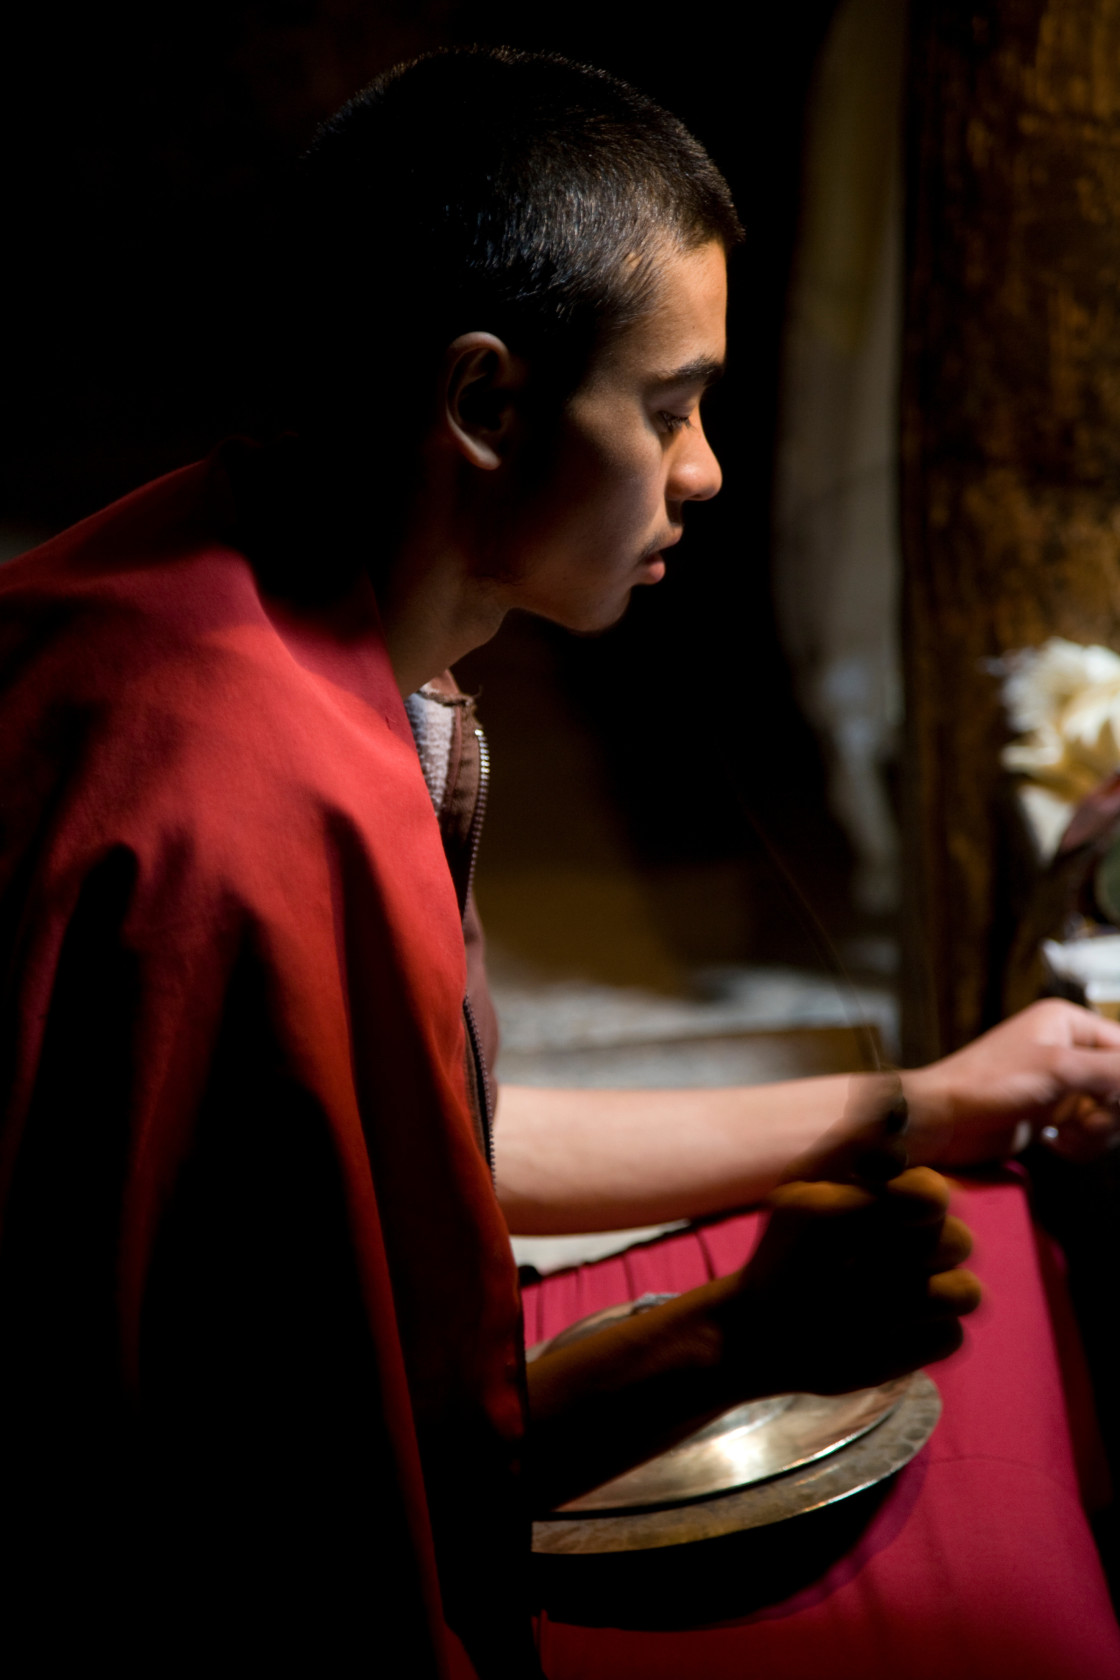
(482, 381)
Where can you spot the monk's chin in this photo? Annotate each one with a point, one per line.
(592, 623)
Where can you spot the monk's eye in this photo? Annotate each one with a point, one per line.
(674, 422)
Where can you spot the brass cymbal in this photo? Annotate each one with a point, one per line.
(751, 1447)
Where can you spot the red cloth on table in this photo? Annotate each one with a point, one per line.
(258, 1317)
(978, 1565)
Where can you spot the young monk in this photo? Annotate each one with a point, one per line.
(263, 1387)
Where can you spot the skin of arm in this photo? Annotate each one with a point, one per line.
(587, 1160)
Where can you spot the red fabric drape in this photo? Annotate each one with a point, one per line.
(255, 1290)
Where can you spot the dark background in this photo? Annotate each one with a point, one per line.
(136, 157)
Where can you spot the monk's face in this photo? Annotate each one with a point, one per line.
(630, 451)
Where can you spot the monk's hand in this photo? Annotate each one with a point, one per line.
(1052, 1071)
(858, 1276)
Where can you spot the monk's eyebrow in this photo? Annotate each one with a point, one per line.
(704, 371)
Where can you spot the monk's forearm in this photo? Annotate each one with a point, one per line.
(587, 1160)
(590, 1160)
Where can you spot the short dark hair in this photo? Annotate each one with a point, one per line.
(489, 189)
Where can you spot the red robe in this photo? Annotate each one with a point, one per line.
(258, 1317)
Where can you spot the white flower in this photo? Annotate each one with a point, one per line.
(1065, 702)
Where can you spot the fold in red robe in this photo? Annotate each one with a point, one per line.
(258, 1318)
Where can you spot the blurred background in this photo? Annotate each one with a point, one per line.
(623, 881)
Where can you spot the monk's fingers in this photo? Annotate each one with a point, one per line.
(954, 1244)
(1089, 1073)
(1070, 1023)
(918, 1196)
(1100, 1125)
(954, 1293)
(1081, 1129)
(904, 1225)
(822, 1200)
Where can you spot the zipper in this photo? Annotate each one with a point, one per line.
(482, 1072)
(482, 1080)
(479, 810)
